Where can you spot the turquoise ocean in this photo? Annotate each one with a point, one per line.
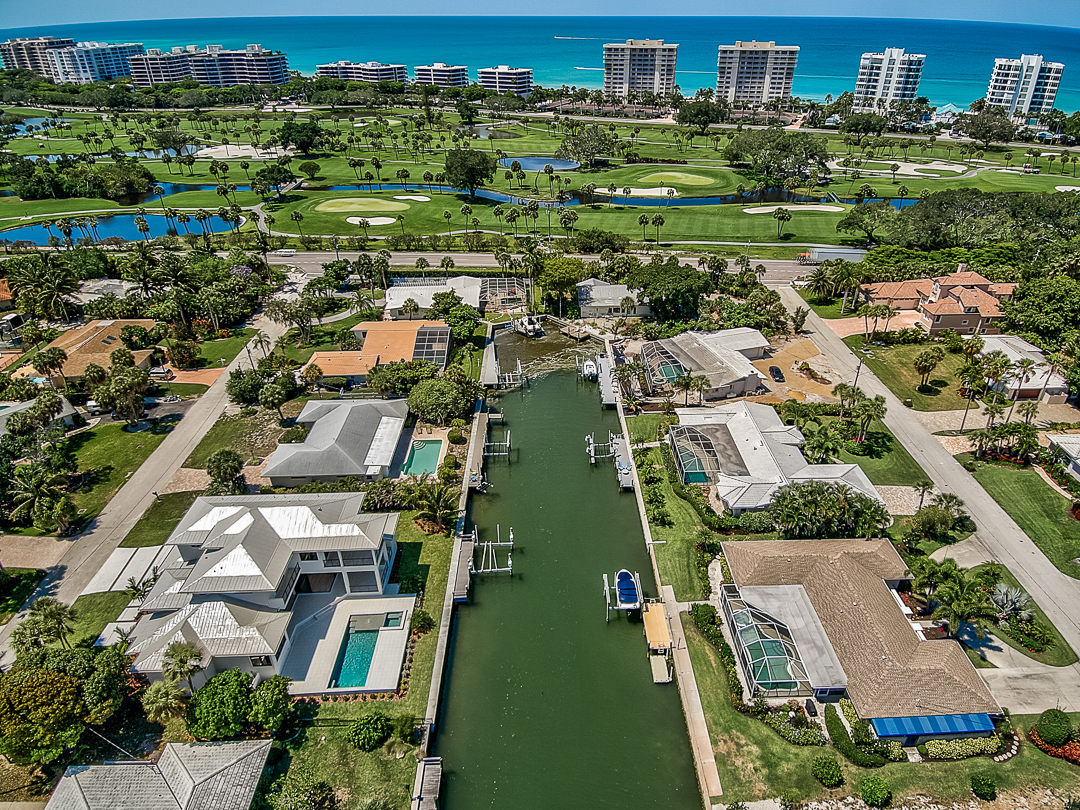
(568, 50)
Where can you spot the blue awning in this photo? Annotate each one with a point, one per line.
(935, 724)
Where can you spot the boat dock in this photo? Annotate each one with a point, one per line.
(474, 463)
(463, 568)
(623, 467)
(427, 784)
(658, 637)
(608, 384)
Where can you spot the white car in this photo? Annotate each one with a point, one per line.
(93, 409)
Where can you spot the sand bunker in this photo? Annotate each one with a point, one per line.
(416, 197)
(677, 178)
(1067, 188)
(390, 122)
(768, 209)
(371, 221)
(659, 191)
(236, 151)
(343, 204)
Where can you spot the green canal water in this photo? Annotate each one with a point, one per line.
(546, 706)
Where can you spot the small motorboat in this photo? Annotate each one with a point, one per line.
(588, 370)
(532, 326)
(627, 591)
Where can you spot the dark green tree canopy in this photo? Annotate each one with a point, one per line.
(304, 135)
(585, 145)
(863, 125)
(469, 169)
(674, 292)
(400, 376)
(990, 125)
(776, 153)
(436, 400)
(699, 115)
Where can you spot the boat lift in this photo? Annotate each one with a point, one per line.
(489, 551)
(626, 591)
(600, 449)
(498, 448)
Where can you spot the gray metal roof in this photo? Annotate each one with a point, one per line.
(9, 408)
(593, 292)
(195, 776)
(467, 288)
(345, 438)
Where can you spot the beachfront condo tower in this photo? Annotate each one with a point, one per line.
(368, 72)
(755, 72)
(505, 79)
(639, 66)
(214, 67)
(1024, 87)
(440, 74)
(30, 53)
(89, 62)
(887, 77)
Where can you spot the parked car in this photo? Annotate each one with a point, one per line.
(93, 409)
(776, 373)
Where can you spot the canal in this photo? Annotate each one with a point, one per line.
(544, 704)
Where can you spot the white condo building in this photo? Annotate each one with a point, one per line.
(213, 67)
(891, 75)
(505, 79)
(442, 75)
(1024, 86)
(640, 65)
(755, 72)
(369, 72)
(89, 62)
(30, 53)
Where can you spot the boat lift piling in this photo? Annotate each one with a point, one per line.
(597, 449)
(489, 561)
(626, 597)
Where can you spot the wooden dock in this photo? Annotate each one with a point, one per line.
(474, 461)
(463, 569)
(608, 384)
(428, 783)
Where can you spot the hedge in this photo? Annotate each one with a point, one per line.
(962, 748)
(838, 733)
(779, 722)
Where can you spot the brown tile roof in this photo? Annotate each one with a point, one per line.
(891, 673)
(94, 343)
(944, 306)
(5, 291)
(962, 277)
(883, 291)
(1004, 288)
(388, 341)
(340, 364)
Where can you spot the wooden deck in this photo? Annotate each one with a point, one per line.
(462, 575)
(427, 784)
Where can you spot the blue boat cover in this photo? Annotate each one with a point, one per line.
(627, 588)
(935, 724)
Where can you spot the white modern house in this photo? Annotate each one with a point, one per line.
(601, 299)
(722, 357)
(746, 452)
(346, 438)
(368, 72)
(890, 76)
(1024, 87)
(640, 65)
(1043, 382)
(242, 576)
(441, 74)
(755, 72)
(423, 292)
(506, 79)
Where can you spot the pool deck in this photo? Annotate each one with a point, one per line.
(317, 643)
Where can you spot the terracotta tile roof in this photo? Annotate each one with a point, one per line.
(945, 306)
(962, 277)
(890, 671)
(987, 304)
(389, 341)
(340, 364)
(5, 291)
(882, 291)
(1004, 288)
(94, 343)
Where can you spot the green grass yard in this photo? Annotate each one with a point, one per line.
(158, 522)
(107, 456)
(94, 611)
(250, 436)
(827, 307)
(894, 366)
(888, 463)
(16, 585)
(644, 427)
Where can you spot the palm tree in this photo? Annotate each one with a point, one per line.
(182, 660)
(992, 411)
(823, 445)
(297, 217)
(643, 221)
(163, 701)
(924, 488)
(684, 382)
(928, 574)
(628, 305)
(262, 341)
(436, 502)
(410, 307)
(56, 618)
(34, 488)
(1029, 410)
(1023, 370)
(969, 376)
(361, 299)
(963, 603)
(658, 222)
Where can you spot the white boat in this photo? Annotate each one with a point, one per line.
(532, 326)
(588, 370)
(627, 591)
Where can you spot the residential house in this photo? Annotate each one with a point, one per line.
(94, 343)
(346, 439)
(722, 357)
(187, 776)
(823, 618)
(66, 415)
(349, 366)
(746, 453)
(963, 301)
(1068, 447)
(392, 341)
(600, 299)
(232, 570)
(423, 292)
(1044, 382)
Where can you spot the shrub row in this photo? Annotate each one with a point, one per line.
(850, 714)
(778, 721)
(961, 749)
(842, 740)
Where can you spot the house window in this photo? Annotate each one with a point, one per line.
(963, 323)
(331, 559)
(357, 558)
(309, 556)
(937, 319)
(363, 582)
(260, 661)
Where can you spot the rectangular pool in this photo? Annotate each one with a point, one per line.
(354, 659)
(423, 457)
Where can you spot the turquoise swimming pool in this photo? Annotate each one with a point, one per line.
(354, 659)
(423, 457)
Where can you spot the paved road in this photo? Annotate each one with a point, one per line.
(1057, 594)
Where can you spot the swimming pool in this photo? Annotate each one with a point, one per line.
(423, 457)
(354, 659)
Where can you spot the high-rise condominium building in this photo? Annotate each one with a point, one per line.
(91, 61)
(640, 66)
(1024, 86)
(442, 75)
(755, 72)
(892, 75)
(370, 72)
(505, 79)
(214, 67)
(29, 53)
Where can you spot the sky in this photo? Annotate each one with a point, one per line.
(21, 13)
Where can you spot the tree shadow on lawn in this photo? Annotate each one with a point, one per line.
(408, 565)
(933, 388)
(878, 444)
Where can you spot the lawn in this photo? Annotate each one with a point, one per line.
(827, 307)
(212, 352)
(107, 456)
(753, 762)
(158, 522)
(95, 610)
(15, 589)
(888, 463)
(644, 427)
(894, 366)
(251, 436)
(353, 773)
(324, 338)
(1040, 511)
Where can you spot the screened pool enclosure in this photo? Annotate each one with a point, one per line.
(766, 651)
